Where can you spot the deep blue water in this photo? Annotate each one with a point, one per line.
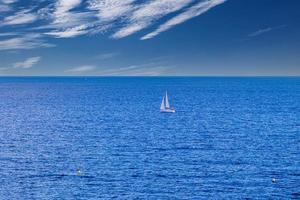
(228, 139)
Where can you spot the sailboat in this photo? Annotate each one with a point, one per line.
(165, 105)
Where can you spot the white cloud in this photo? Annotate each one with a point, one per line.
(9, 1)
(7, 34)
(265, 30)
(192, 12)
(81, 69)
(72, 18)
(124, 32)
(66, 5)
(69, 32)
(110, 10)
(105, 56)
(63, 7)
(27, 41)
(68, 23)
(28, 63)
(148, 13)
(146, 69)
(4, 5)
(22, 17)
(4, 8)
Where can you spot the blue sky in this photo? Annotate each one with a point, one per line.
(150, 37)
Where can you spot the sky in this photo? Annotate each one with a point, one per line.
(149, 38)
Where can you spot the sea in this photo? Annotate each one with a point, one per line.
(105, 138)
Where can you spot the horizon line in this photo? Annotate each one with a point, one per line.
(140, 76)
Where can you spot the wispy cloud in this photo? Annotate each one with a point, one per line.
(265, 30)
(192, 12)
(146, 69)
(72, 18)
(7, 34)
(28, 63)
(26, 41)
(9, 1)
(63, 7)
(110, 10)
(105, 56)
(5, 5)
(69, 32)
(149, 13)
(4, 8)
(22, 17)
(67, 23)
(81, 69)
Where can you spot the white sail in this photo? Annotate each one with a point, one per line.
(167, 101)
(165, 105)
(162, 105)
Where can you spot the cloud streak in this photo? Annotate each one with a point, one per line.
(69, 32)
(146, 69)
(28, 63)
(9, 1)
(105, 56)
(5, 5)
(149, 13)
(265, 30)
(192, 12)
(63, 7)
(73, 18)
(4, 8)
(81, 69)
(26, 41)
(110, 10)
(23, 17)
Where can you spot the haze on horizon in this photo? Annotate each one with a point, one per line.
(149, 38)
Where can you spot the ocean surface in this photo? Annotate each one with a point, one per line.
(229, 138)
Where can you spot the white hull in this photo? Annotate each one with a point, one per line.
(167, 111)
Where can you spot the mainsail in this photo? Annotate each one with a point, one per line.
(162, 105)
(167, 101)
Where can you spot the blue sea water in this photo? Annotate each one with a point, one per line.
(228, 138)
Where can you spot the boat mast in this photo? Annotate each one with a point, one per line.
(167, 101)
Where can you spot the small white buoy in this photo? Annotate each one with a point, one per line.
(274, 180)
